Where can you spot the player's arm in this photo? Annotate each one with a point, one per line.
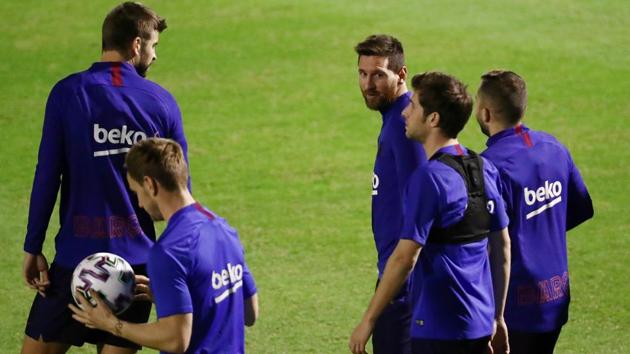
(500, 257)
(168, 334)
(176, 131)
(399, 266)
(579, 203)
(251, 310)
(397, 270)
(44, 193)
(497, 186)
(250, 295)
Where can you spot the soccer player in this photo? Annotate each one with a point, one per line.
(382, 75)
(92, 119)
(203, 290)
(453, 212)
(545, 197)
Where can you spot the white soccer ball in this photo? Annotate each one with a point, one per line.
(109, 275)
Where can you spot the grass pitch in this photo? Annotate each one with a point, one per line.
(282, 145)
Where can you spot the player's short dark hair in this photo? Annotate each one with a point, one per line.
(446, 95)
(506, 92)
(383, 45)
(161, 159)
(128, 21)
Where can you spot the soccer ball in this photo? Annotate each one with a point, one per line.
(109, 275)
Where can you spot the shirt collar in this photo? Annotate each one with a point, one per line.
(518, 129)
(457, 150)
(179, 213)
(105, 65)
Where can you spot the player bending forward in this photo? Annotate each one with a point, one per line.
(203, 291)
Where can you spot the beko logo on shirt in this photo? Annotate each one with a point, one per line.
(231, 276)
(549, 191)
(375, 183)
(116, 136)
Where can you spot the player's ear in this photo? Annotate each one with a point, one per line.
(402, 75)
(151, 185)
(434, 119)
(484, 112)
(136, 44)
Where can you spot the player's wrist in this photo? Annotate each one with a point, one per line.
(370, 319)
(116, 326)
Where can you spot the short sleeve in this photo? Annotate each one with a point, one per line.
(579, 203)
(496, 204)
(168, 283)
(249, 285)
(421, 205)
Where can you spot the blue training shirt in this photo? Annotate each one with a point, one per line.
(396, 159)
(545, 196)
(197, 266)
(92, 119)
(452, 293)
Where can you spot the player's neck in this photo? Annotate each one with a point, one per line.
(112, 56)
(169, 203)
(435, 142)
(499, 126)
(401, 90)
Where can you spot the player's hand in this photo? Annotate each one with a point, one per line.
(499, 343)
(35, 272)
(99, 316)
(360, 336)
(143, 289)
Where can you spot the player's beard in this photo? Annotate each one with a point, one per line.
(483, 127)
(142, 66)
(378, 101)
(142, 69)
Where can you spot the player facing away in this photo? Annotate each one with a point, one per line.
(203, 291)
(453, 213)
(92, 119)
(382, 75)
(545, 197)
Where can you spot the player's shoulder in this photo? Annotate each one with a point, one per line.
(545, 137)
(70, 82)
(203, 221)
(155, 89)
(221, 226)
(491, 172)
(489, 166)
(159, 253)
(437, 175)
(553, 146)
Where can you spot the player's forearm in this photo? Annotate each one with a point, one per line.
(251, 310)
(50, 161)
(43, 198)
(160, 335)
(500, 258)
(397, 270)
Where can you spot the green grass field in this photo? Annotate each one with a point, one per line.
(282, 145)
